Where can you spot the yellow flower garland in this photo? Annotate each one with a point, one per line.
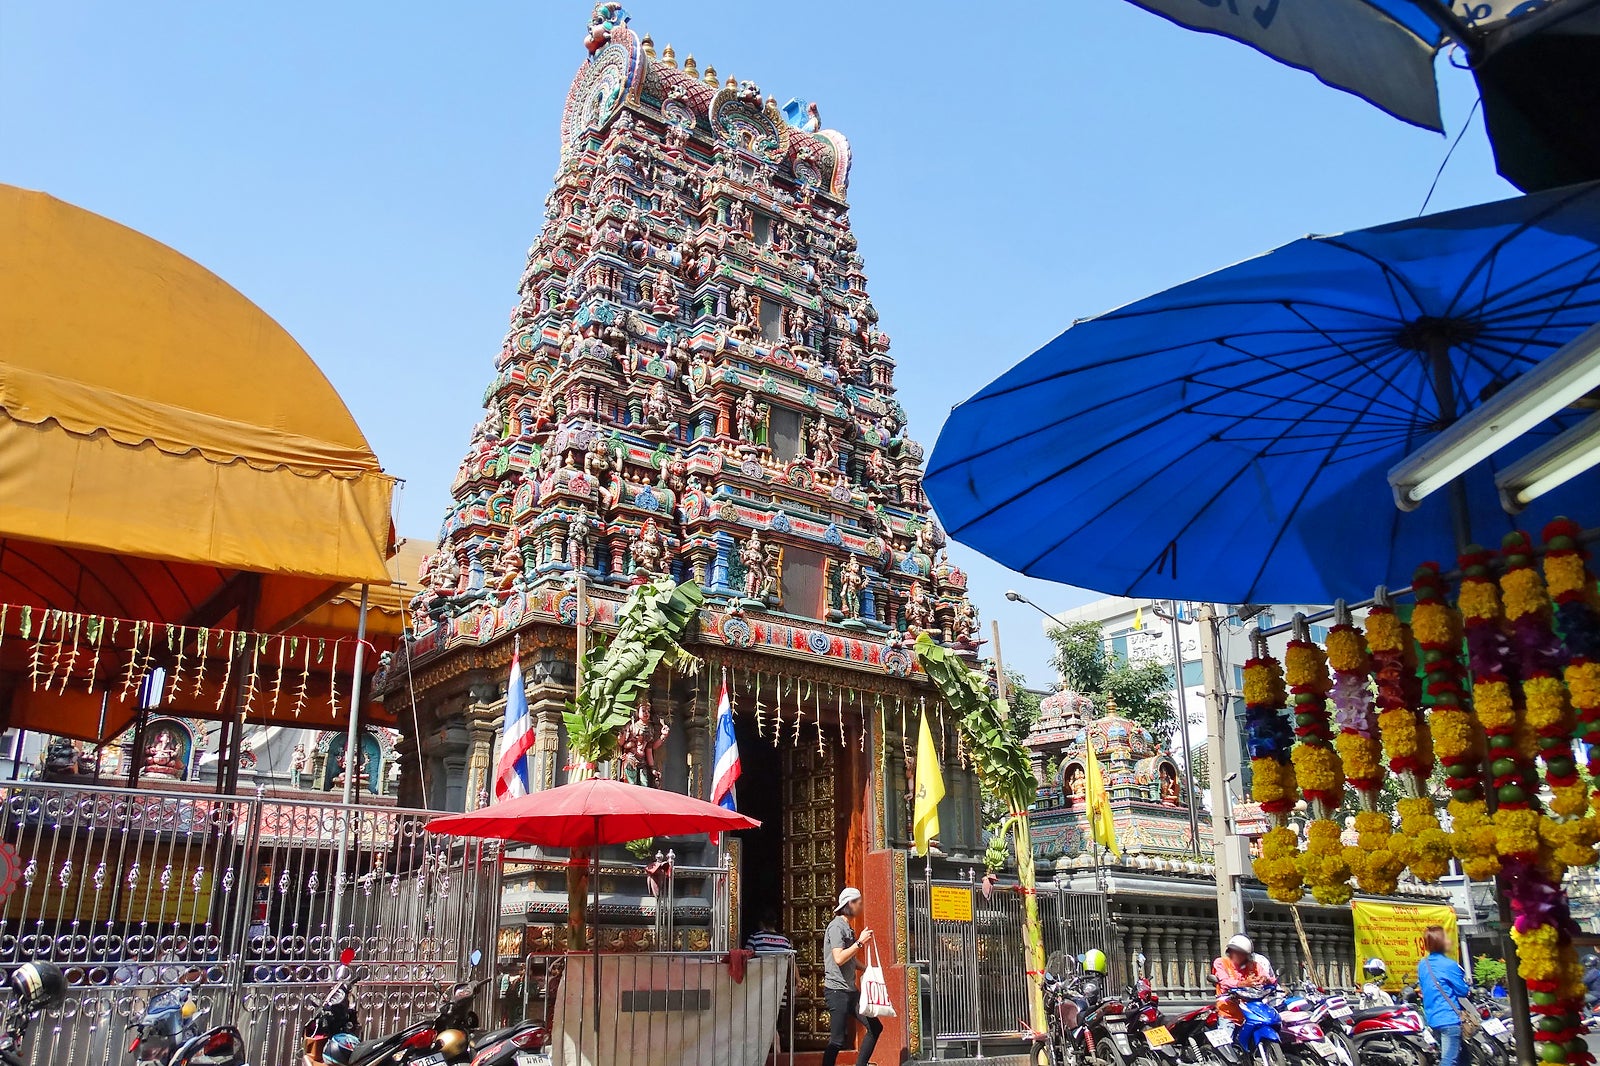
(1360, 755)
(1473, 840)
(1376, 866)
(1427, 844)
(1324, 865)
(1278, 867)
(1347, 650)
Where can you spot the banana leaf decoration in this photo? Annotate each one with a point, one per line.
(616, 672)
(1004, 773)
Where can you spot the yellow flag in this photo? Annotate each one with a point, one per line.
(1138, 617)
(930, 790)
(1102, 829)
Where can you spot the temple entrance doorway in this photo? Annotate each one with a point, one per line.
(812, 876)
(760, 796)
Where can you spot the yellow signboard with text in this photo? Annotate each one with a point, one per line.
(1393, 932)
(950, 904)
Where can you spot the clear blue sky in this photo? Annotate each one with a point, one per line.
(372, 174)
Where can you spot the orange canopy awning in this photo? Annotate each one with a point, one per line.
(164, 443)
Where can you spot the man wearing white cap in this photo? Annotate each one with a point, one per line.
(840, 946)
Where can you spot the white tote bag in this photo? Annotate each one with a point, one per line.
(874, 989)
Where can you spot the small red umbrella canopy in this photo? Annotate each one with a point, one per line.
(593, 813)
(590, 814)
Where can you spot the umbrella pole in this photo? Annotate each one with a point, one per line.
(595, 876)
(1461, 527)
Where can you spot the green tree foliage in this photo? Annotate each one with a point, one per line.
(1142, 690)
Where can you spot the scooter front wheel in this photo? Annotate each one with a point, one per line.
(1268, 1053)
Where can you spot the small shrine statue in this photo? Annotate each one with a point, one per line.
(494, 423)
(578, 539)
(1169, 786)
(739, 304)
(363, 765)
(699, 376)
(1076, 786)
(640, 740)
(510, 562)
(749, 417)
(851, 580)
(926, 539)
(964, 627)
(878, 472)
(758, 577)
(299, 763)
(657, 408)
(824, 445)
(919, 609)
(647, 551)
(163, 756)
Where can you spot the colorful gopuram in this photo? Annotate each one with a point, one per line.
(1143, 782)
(695, 383)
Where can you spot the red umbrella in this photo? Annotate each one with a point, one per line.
(590, 814)
(593, 813)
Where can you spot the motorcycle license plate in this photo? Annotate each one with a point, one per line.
(529, 1058)
(1341, 1012)
(436, 1059)
(1158, 1036)
(1218, 1038)
(1494, 1027)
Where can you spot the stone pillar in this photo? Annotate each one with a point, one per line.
(551, 672)
(697, 744)
(486, 713)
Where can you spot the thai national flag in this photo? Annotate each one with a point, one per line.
(516, 738)
(725, 768)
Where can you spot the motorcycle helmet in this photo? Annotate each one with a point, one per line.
(38, 985)
(339, 1048)
(453, 1042)
(1094, 961)
(1375, 970)
(1240, 942)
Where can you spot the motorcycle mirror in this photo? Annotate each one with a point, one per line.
(476, 957)
(347, 956)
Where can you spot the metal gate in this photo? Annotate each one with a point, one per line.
(242, 899)
(974, 971)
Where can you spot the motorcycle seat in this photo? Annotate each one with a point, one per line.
(490, 1039)
(368, 1050)
(1363, 1013)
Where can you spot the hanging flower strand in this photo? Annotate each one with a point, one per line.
(1375, 866)
(1269, 738)
(1318, 768)
(1572, 586)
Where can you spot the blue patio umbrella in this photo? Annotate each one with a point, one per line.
(1229, 439)
(1533, 60)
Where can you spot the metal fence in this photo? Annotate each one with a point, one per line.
(664, 1008)
(130, 891)
(973, 943)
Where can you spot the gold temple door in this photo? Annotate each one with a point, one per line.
(811, 878)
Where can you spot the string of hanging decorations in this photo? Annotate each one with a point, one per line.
(118, 657)
(1493, 691)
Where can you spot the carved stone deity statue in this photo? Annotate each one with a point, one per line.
(964, 627)
(657, 407)
(878, 472)
(641, 739)
(851, 580)
(648, 550)
(299, 763)
(749, 417)
(1169, 786)
(758, 577)
(510, 562)
(919, 609)
(824, 444)
(578, 538)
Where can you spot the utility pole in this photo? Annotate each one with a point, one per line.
(1219, 761)
(1182, 708)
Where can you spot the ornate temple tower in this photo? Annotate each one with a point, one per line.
(695, 383)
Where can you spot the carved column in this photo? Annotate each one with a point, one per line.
(697, 743)
(483, 727)
(551, 672)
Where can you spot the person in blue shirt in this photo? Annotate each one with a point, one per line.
(1443, 984)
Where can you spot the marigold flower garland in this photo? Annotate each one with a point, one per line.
(1572, 587)
(1407, 741)
(1376, 867)
(1543, 927)
(1317, 765)
(1273, 784)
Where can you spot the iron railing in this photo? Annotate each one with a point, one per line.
(130, 891)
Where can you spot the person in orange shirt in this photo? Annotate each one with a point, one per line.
(1239, 966)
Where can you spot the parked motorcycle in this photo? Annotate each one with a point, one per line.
(1392, 1035)
(168, 1033)
(1086, 1026)
(440, 1041)
(334, 1032)
(35, 986)
(1259, 1035)
(1304, 1039)
(1486, 1048)
(525, 1044)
